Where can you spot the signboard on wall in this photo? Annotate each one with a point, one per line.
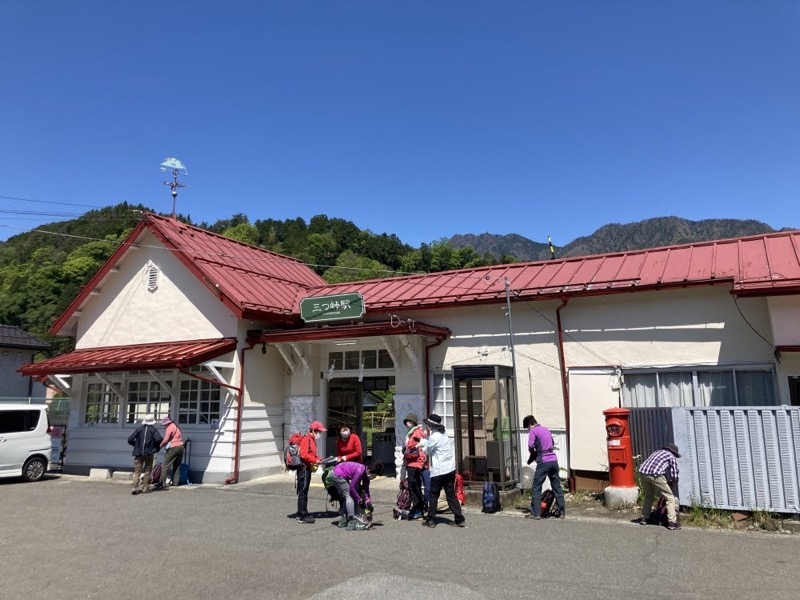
(332, 308)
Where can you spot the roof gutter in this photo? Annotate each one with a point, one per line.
(564, 387)
(234, 478)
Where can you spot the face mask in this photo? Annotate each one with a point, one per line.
(345, 434)
(316, 435)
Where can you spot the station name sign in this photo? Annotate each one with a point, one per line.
(332, 308)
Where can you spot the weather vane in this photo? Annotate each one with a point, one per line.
(177, 168)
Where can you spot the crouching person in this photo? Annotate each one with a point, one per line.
(351, 479)
(659, 473)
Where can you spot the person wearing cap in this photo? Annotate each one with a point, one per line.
(145, 441)
(415, 462)
(439, 448)
(308, 455)
(348, 446)
(658, 474)
(173, 441)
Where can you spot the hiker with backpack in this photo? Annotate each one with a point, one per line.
(439, 448)
(540, 445)
(415, 462)
(658, 474)
(348, 446)
(310, 462)
(145, 441)
(173, 441)
(351, 480)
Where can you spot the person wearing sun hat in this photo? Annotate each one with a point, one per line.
(658, 474)
(145, 441)
(173, 441)
(308, 455)
(439, 448)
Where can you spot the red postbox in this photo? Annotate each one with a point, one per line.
(620, 448)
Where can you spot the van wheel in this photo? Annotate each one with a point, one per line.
(33, 470)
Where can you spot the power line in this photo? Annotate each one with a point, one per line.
(49, 202)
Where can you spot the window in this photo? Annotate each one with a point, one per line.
(102, 404)
(352, 360)
(17, 421)
(708, 387)
(146, 397)
(199, 402)
(443, 399)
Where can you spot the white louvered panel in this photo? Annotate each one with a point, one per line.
(746, 472)
(718, 477)
(730, 454)
(788, 459)
(759, 459)
(772, 452)
(703, 459)
(794, 420)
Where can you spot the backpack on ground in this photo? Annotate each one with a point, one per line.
(291, 454)
(491, 498)
(549, 507)
(403, 505)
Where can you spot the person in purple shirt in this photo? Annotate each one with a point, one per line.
(351, 479)
(540, 444)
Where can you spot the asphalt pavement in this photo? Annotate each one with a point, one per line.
(69, 537)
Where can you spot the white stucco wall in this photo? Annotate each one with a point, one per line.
(126, 312)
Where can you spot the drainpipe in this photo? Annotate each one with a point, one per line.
(564, 386)
(427, 373)
(234, 478)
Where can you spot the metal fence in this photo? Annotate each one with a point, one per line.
(733, 458)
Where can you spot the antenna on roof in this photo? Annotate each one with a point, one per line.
(177, 168)
(552, 250)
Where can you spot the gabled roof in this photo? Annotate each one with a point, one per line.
(165, 355)
(756, 265)
(14, 337)
(252, 282)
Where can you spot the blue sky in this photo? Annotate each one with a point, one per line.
(423, 119)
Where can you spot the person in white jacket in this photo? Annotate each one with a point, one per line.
(440, 452)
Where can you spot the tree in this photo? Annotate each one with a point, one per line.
(352, 267)
(243, 232)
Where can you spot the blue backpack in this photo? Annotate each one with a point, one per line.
(491, 498)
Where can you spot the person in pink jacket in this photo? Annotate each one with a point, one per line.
(173, 441)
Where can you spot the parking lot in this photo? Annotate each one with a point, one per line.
(69, 538)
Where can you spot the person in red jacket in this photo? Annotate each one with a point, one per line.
(308, 454)
(415, 462)
(348, 446)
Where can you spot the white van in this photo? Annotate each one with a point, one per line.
(24, 441)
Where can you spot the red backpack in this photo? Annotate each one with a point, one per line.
(291, 454)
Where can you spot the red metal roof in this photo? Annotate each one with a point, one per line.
(252, 282)
(757, 265)
(164, 355)
(339, 332)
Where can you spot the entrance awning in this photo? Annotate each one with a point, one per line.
(339, 332)
(163, 355)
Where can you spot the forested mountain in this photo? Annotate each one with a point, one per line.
(650, 233)
(43, 270)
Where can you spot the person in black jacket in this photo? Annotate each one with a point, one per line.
(145, 441)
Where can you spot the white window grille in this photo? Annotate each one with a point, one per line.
(199, 402)
(102, 404)
(356, 360)
(442, 387)
(146, 397)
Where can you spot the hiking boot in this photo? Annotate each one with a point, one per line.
(673, 525)
(307, 520)
(533, 516)
(342, 523)
(561, 514)
(457, 524)
(414, 516)
(642, 521)
(359, 525)
(428, 523)
(135, 492)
